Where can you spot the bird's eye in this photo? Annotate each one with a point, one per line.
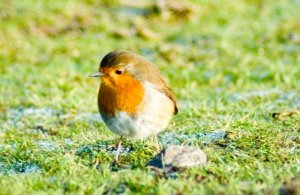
(118, 71)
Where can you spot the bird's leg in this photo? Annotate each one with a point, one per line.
(119, 147)
(156, 143)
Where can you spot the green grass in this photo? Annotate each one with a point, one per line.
(231, 65)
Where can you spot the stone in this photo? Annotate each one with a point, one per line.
(179, 157)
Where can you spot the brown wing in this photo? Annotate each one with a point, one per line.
(151, 73)
(163, 87)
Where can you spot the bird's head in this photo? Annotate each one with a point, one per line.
(120, 66)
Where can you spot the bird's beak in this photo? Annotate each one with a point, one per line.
(96, 74)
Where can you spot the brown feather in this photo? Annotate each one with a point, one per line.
(168, 92)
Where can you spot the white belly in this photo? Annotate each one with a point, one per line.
(154, 117)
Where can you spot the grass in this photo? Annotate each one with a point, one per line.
(231, 65)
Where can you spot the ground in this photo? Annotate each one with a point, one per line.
(234, 67)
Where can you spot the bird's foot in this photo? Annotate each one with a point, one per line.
(116, 165)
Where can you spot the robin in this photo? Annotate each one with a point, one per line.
(134, 100)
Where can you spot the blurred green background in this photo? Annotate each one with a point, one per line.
(231, 65)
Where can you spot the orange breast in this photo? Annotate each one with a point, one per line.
(125, 95)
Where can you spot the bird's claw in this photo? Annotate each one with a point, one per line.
(116, 165)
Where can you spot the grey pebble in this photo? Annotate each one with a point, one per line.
(179, 157)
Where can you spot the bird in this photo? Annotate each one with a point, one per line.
(134, 99)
